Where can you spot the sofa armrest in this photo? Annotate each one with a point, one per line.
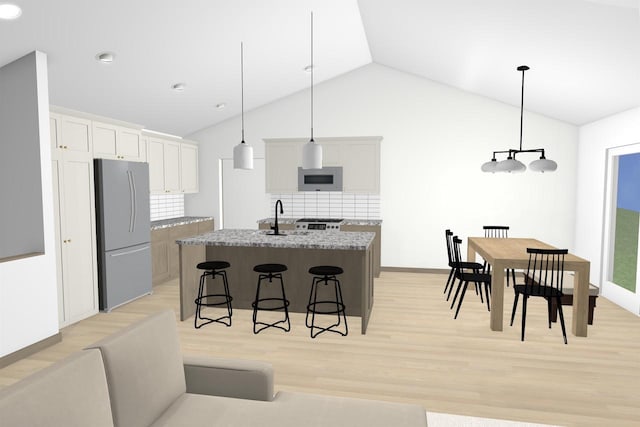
(244, 379)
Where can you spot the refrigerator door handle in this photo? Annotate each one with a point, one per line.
(132, 200)
(135, 201)
(130, 252)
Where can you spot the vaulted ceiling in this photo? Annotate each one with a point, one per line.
(584, 54)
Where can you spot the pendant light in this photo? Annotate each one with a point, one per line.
(243, 152)
(512, 165)
(311, 151)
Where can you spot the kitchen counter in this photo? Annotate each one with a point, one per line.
(183, 220)
(347, 221)
(299, 250)
(333, 240)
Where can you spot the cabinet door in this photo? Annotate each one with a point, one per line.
(361, 162)
(156, 166)
(331, 154)
(77, 232)
(160, 255)
(189, 168)
(129, 145)
(175, 233)
(54, 129)
(56, 174)
(104, 141)
(76, 134)
(205, 226)
(172, 167)
(144, 148)
(282, 161)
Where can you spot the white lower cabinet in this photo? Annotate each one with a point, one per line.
(74, 201)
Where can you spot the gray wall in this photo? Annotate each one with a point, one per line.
(21, 226)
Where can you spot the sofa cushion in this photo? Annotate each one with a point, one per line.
(72, 392)
(289, 410)
(143, 363)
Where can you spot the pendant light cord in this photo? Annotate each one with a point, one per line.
(242, 87)
(311, 76)
(521, 108)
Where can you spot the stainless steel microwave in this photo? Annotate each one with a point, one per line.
(325, 179)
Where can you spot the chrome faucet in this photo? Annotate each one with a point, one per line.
(275, 228)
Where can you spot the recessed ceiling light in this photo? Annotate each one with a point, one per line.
(179, 87)
(105, 57)
(9, 11)
(221, 106)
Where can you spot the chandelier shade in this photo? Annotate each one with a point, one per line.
(490, 166)
(543, 165)
(511, 165)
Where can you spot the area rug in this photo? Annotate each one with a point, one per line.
(435, 419)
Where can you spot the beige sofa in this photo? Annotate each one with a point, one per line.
(138, 377)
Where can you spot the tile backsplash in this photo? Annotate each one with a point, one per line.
(166, 206)
(327, 204)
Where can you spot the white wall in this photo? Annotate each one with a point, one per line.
(435, 139)
(28, 293)
(595, 139)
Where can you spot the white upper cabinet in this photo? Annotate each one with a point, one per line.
(282, 159)
(189, 168)
(155, 155)
(173, 166)
(360, 166)
(117, 142)
(358, 156)
(76, 131)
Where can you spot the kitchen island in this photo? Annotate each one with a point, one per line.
(298, 250)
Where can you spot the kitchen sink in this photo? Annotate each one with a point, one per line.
(287, 233)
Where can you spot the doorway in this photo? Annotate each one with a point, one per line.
(621, 255)
(243, 200)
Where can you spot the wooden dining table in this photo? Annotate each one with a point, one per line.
(512, 253)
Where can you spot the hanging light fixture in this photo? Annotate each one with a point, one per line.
(311, 151)
(243, 152)
(511, 164)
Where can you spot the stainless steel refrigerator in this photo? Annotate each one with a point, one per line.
(123, 231)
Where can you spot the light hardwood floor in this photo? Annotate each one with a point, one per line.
(416, 352)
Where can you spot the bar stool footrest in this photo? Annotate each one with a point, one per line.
(226, 299)
(313, 307)
(256, 304)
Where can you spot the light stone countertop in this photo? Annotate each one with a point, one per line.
(334, 240)
(347, 221)
(183, 220)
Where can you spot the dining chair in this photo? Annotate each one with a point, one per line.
(544, 278)
(465, 277)
(497, 232)
(475, 266)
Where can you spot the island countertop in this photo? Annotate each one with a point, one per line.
(338, 240)
(347, 221)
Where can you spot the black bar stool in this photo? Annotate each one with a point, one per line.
(325, 274)
(213, 269)
(270, 271)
